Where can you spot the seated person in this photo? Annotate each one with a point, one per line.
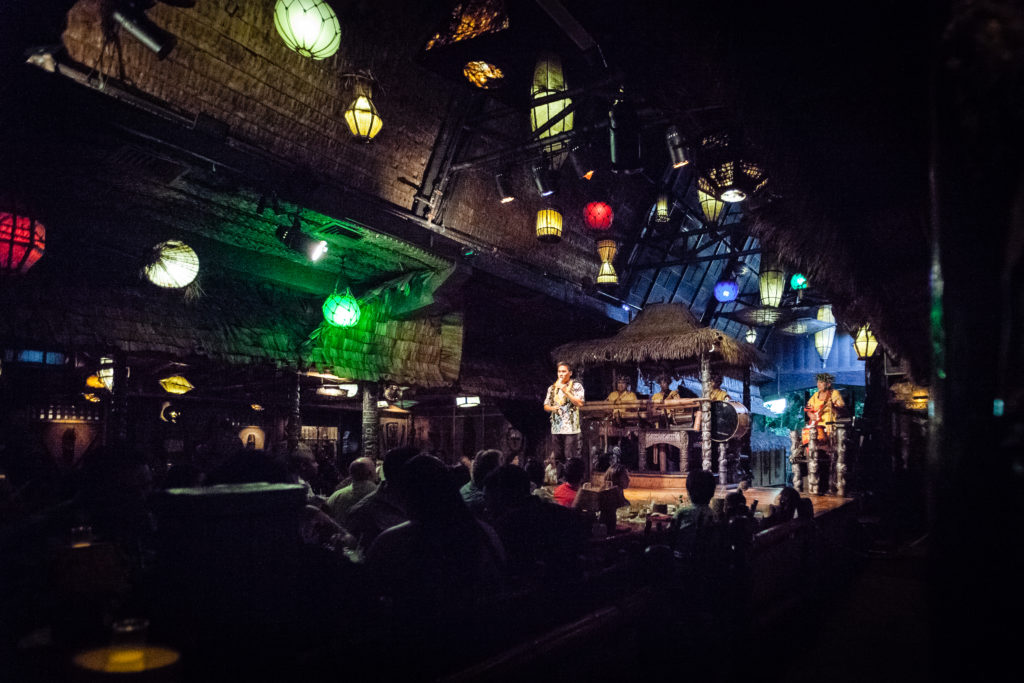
(717, 393)
(575, 471)
(664, 393)
(607, 499)
(485, 462)
(700, 487)
(783, 509)
(361, 472)
(622, 394)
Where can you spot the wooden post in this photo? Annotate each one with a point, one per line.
(813, 481)
(745, 444)
(119, 399)
(840, 460)
(723, 463)
(794, 454)
(705, 413)
(371, 421)
(684, 451)
(293, 427)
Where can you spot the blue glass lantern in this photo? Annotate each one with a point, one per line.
(726, 290)
(798, 281)
(341, 310)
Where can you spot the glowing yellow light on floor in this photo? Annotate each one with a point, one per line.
(310, 27)
(176, 384)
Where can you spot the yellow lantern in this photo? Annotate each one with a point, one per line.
(549, 81)
(661, 209)
(549, 226)
(865, 342)
(310, 27)
(709, 204)
(606, 275)
(176, 384)
(823, 338)
(772, 283)
(362, 118)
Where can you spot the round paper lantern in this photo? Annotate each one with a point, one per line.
(726, 290)
(173, 265)
(823, 338)
(22, 242)
(341, 310)
(310, 27)
(598, 215)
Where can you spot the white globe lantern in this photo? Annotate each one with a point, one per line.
(173, 265)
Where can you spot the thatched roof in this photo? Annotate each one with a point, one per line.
(662, 334)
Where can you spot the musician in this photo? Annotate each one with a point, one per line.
(621, 393)
(717, 393)
(563, 402)
(825, 405)
(664, 394)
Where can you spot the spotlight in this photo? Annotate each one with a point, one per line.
(676, 151)
(503, 192)
(131, 16)
(293, 238)
(624, 136)
(544, 178)
(581, 164)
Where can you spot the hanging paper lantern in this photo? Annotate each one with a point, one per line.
(823, 338)
(176, 384)
(865, 342)
(549, 226)
(772, 283)
(22, 242)
(310, 27)
(598, 215)
(172, 264)
(341, 310)
(548, 80)
(362, 118)
(661, 209)
(709, 205)
(606, 275)
(726, 290)
(798, 281)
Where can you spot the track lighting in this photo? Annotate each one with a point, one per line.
(676, 150)
(293, 238)
(504, 194)
(131, 16)
(543, 178)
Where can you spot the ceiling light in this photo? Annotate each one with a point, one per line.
(172, 265)
(22, 242)
(555, 116)
(731, 176)
(798, 281)
(341, 310)
(606, 275)
(598, 215)
(131, 16)
(676, 151)
(823, 338)
(751, 336)
(309, 27)
(504, 194)
(771, 283)
(549, 226)
(176, 384)
(467, 401)
(544, 178)
(293, 237)
(662, 208)
(726, 290)
(483, 74)
(332, 391)
(865, 342)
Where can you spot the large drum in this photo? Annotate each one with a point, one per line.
(729, 420)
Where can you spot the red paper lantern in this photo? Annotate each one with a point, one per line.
(598, 215)
(22, 242)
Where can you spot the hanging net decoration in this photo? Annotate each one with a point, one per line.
(171, 264)
(310, 27)
(341, 310)
(598, 215)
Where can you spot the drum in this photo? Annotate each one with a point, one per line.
(729, 420)
(805, 435)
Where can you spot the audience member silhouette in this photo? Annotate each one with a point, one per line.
(385, 507)
(361, 472)
(485, 462)
(565, 493)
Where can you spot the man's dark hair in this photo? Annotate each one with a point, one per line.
(535, 471)
(485, 462)
(561, 363)
(395, 461)
(505, 488)
(575, 470)
(700, 486)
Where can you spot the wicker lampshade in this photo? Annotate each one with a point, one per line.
(661, 209)
(549, 226)
(606, 275)
(709, 205)
(865, 342)
(771, 282)
(310, 27)
(823, 338)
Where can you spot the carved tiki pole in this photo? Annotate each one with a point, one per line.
(370, 421)
(705, 413)
(794, 463)
(813, 480)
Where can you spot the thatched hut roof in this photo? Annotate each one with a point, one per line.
(663, 334)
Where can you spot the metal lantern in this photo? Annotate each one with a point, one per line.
(22, 242)
(549, 226)
(823, 338)
(310, 27)
(553, 116)
(362, 118)
(726, 290)
(176, 384)
(341, 310)
(172, 264)
(865, 342)
(606, 275)
(598, 215)
(772, 283)
(709, 205)
(731, 177)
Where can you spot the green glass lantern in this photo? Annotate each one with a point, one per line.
(341, 310)
(798, 281)
(310, 27)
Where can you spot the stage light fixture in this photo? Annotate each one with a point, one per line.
(543, 178)
(504, 194)
(676, 150)
(624, 136)
(293, 238)
(581, 163)
(131, 16)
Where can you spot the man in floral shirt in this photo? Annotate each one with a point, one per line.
(563, 402)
